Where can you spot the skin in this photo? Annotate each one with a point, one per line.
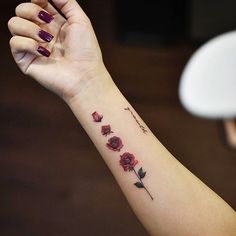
(182, 204)
(230, 130)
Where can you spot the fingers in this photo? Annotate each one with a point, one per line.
(26, 38)
(21, 45)
(25, 28)
(36, 13)
(42, 11)
(71, 10)
(33, 12)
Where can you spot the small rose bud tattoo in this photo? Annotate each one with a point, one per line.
(106, 130)
(97, 117)
(115, 143)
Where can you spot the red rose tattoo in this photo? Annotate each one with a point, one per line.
(115, 143)
(106, 130)
(127, 161)
(97, 117)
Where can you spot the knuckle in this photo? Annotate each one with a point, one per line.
(19, 8)
(12, 42)
(12, 21)
(24, 8)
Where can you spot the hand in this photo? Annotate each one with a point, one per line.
(65, 59)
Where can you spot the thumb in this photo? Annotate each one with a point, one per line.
(70, 9)
(41, 3)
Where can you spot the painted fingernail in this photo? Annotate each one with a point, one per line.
(45, 36)
(43, 51)
(44, 16)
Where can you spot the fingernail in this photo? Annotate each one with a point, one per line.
(43, 51)
(45, 36)
(44, 16)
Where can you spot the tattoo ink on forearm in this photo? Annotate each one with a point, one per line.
(137, 121)
(127, 160)
(97, 117)
(106, 130)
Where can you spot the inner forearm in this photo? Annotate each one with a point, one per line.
(166, 197)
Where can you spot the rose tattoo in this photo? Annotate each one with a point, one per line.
(97, 117)
(106, 130)
(115, 143)
(127, 160)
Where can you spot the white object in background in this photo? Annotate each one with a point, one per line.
(208, 83)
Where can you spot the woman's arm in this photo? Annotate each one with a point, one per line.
(167, 198)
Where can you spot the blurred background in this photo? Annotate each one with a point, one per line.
(53, 182)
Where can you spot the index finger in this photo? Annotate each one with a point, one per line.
(50, 9)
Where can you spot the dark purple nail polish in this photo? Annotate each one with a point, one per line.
(43, 51)
(45, 36)
(44, 16)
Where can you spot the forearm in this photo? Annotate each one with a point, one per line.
(168, 200)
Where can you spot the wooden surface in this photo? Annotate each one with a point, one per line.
(53, 181)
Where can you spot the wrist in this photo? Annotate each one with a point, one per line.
(96, 87)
